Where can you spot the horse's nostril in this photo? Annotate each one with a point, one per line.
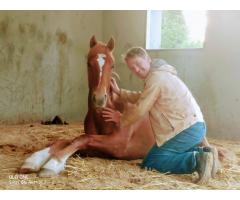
(94, 98)
(99, 101)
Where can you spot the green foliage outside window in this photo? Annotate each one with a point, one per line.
(175, 32)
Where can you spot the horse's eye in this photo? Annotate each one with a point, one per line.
(112, 66)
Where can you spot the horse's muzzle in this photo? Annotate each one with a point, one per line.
(99, 101)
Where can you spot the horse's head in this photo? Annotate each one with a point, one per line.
(100, 66)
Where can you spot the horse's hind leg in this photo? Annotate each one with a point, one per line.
(39, 158)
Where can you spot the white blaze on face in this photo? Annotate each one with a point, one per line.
(101, 62)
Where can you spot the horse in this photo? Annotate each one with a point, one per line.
(101, 138)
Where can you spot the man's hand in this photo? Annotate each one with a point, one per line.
(114, 86)
(111, 115)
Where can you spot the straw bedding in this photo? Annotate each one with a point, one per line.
(17, 142)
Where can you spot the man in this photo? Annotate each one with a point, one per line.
(175, 116)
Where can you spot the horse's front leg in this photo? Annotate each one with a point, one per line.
(57, 162)
(34, 162)
(111, 145)
(89, 125)
(59, 157)
(115, 144)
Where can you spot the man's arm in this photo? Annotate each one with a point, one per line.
(143, 105)
(124, 95)
(129, 96)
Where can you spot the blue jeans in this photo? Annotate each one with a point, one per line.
(177, 155)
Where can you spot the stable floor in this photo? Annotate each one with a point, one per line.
(17, 142)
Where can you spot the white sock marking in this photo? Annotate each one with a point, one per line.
(37, 159)
(56, 165)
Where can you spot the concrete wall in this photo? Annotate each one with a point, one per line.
(42, 63)
(212, 73)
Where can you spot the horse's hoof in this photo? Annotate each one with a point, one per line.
(52, 168)
(28, 167)
(26, 170)
(35, 161)
(47, 173)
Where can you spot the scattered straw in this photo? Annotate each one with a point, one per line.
(18, 141)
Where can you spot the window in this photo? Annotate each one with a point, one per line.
(175, 29)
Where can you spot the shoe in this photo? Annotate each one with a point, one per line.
(216, 163)
(204, 166)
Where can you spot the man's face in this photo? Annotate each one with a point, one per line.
(139, 66)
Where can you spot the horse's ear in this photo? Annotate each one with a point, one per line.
(110, 44)
(93, 41)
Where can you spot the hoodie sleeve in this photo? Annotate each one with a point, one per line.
(129, 96)
(145, 102)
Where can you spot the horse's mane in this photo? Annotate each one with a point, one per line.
(116, 74)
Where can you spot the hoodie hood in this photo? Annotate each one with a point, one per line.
(162, 65)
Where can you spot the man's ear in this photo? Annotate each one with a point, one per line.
(93, 41)
(110, 44)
